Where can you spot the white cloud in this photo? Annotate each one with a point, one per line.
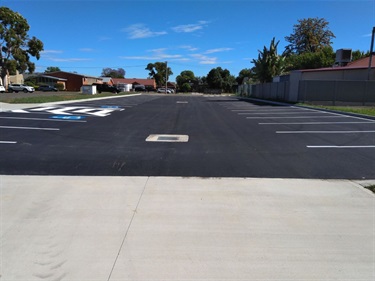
(156, 54)
(51, 55)
(188, 47)
(140, 31)
(160, 50)
(204, 59)
(51, 52)
(218, 50)
(187, 28)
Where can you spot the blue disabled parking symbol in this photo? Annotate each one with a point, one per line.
(68, 117)
(110, 106)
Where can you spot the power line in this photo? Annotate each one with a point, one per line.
(127, 66)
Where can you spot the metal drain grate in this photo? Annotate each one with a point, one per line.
(168, 138)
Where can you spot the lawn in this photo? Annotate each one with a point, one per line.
(371, 187)
(56, 97)
(364, 110)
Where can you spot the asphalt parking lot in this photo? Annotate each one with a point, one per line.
(79, 200)
(224, 137)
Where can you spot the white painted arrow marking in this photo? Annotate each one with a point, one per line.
(63, 111)
(95, 111)
(19, 111)
(43, 108)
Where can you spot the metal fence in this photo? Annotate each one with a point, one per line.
(338, 92)
(274, 91)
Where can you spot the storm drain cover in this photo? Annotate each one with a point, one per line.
(168, 138)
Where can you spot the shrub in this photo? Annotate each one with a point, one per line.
(59, 86)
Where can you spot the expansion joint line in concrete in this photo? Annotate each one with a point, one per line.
(127, 230)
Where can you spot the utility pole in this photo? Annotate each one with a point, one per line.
(166, 76)
(371, 53)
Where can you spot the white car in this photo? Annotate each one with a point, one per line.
(20, 88)
(2, 89)
(162, 90)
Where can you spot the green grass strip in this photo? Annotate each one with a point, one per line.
(371, 187)
(364, 110)
(55, 98)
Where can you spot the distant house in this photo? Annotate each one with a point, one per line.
(171, 85)
(13, 79)
(45, 79)
(16, 79)
(149, 84)
(75, 81)
(107, 80)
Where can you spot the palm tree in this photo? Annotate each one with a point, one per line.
(268, 64)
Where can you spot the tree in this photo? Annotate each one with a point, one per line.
(16, 46)
(113, 73)
(244, 73)
(323, 58)
(268, 64)
(159, 72)
(309, 35)
(186, 81)
(219, 78)
(52, 69)
(357, 54)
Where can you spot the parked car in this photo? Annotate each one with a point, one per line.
(20, 88)
(162, 90)
(47, 88)
(106, 88)
(140, 88)
(2, 89)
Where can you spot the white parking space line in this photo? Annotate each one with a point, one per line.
(324, 132)
(316, 123)
(295, 117)
(8, 142)
(43, 119)
(340, 146)
(270, 110)
(30, 128)
(287, 112)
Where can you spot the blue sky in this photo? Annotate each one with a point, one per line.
(88, 35)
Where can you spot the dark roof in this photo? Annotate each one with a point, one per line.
(77, 74)
(49, 77)
(140, 81)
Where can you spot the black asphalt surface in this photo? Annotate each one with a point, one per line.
(228, 137)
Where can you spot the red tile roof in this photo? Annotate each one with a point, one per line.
(139, 81)
(358, 64)
(362, 63)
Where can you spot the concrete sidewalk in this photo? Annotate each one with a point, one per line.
(161, 228)
(14, 106)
